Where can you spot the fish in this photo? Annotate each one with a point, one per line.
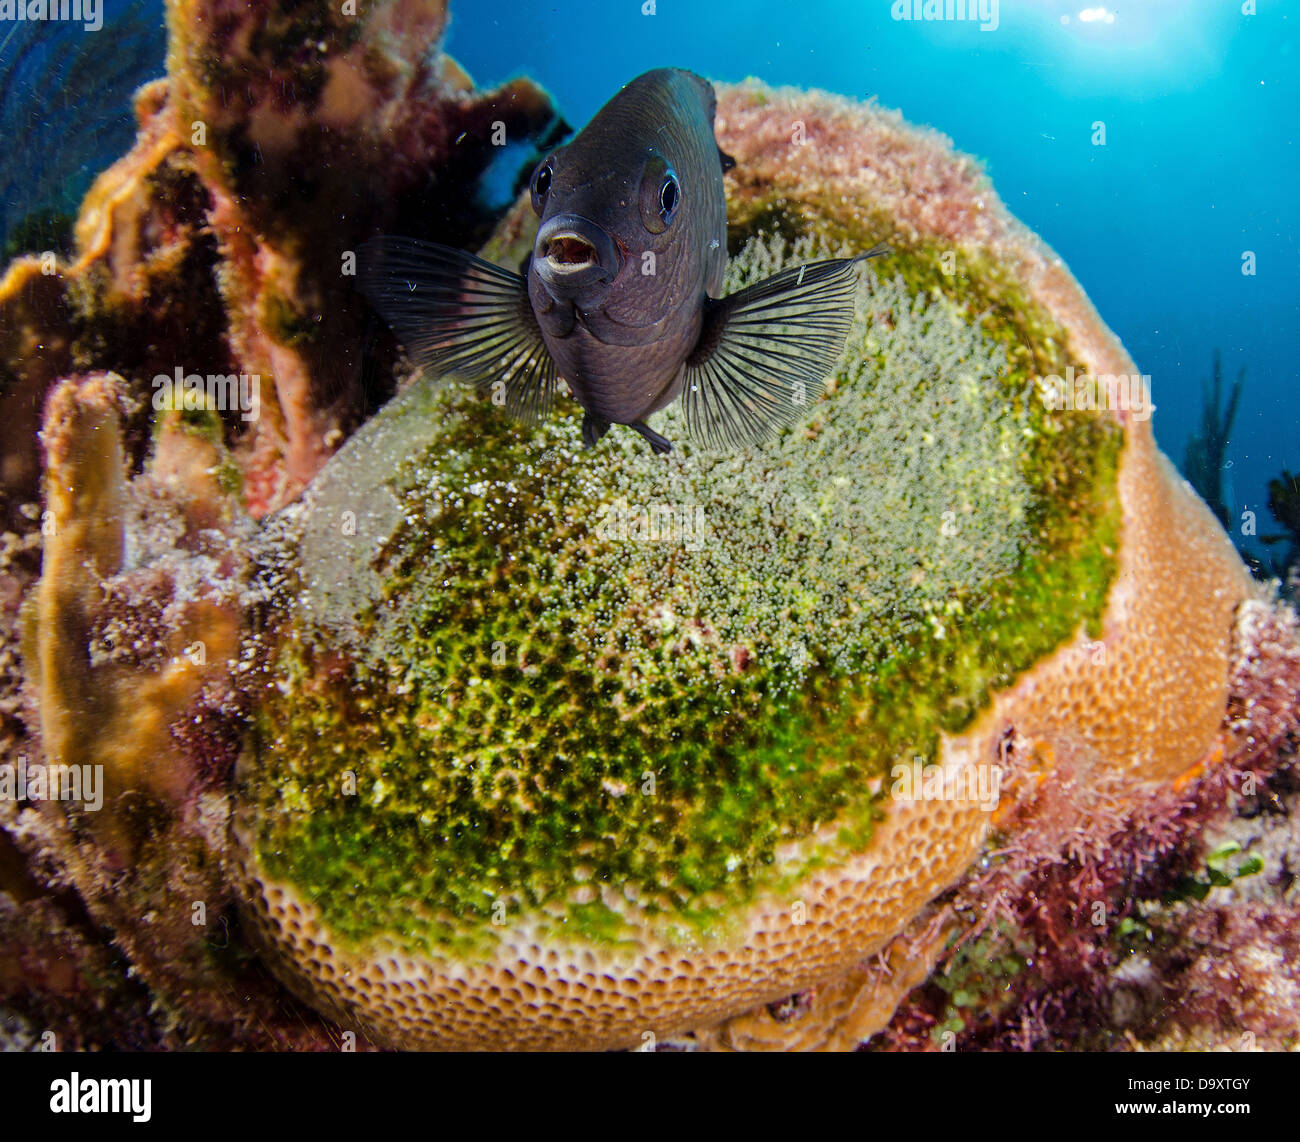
(619, 296)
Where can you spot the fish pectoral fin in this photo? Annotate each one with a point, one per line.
(457, 315)
(661, 444)
(593, 428)
(764, 353)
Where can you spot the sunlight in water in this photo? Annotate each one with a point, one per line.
(1097, 16)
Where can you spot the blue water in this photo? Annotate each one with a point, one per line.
(65, 103)
(1201, 161)
(1200, 164)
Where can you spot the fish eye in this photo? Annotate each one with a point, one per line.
(542, 185)
(669, 197)
(661, 195)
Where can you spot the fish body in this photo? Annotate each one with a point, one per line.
(619, 296)
(620, 341)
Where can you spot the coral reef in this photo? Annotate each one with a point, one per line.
(222, 242)
(131, 641)
(202, 251)
(524, 678)
(473, 738)
(1083, 926)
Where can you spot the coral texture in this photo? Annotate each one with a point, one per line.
(223, 242)
(1165, 921)
(220, 246)
(849, 607)
(477, 739)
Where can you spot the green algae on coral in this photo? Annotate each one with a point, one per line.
(575, 683)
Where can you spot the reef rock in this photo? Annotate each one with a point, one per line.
(219, 250)
(569, 748)
(486, 740)
(223, 242)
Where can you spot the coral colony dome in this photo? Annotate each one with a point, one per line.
(431, 623)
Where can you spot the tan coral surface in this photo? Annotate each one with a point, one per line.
(1146, 702)
(1152, 704)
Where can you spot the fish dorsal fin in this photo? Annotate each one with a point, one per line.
(457, 315)
(764, 353)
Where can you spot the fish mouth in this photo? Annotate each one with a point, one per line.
(574, 257)
(566, 251)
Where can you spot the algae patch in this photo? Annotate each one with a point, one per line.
(523, 679)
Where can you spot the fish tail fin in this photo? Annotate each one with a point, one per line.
(457, 315)
(764, 353)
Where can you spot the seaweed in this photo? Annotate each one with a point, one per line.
(1284, 503)
(1203, 462)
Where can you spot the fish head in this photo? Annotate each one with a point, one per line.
(632, 230)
